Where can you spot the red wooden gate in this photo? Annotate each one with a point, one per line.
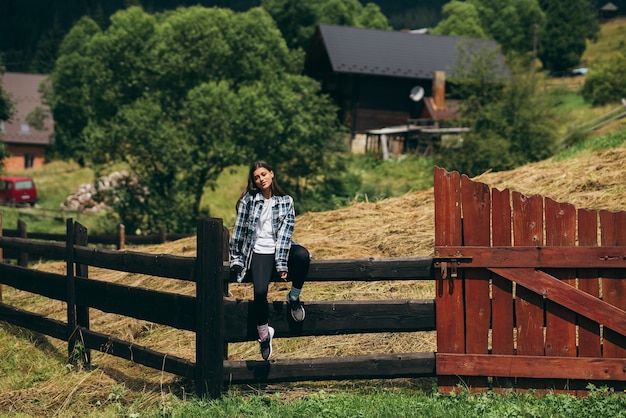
(531, 293)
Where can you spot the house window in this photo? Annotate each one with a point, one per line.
(1, 126)
(29, 160)
(25, 129)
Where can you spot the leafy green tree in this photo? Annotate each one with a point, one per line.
(563, 40)
(297, 19)
(510, 123)
(68, 99)
(511, 23)
(606, 81)
(460, 18)
(181, 95)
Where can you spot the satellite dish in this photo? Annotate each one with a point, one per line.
(417, 93)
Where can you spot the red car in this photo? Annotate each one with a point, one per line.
(17, 190)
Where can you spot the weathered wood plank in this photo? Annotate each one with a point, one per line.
(560, 321)
(476, 206)
(588, 281)
(150, 305)
(528, 230)
(449, 290)
(536, 256)
(162, 265)
(209, 303)
(50, 285)
(476, 203)
(399, 268)
(332, 318)
(49, 250)
(378, 366)
(613, 232)
(581, 302)
(34, 322)
(532, 366)
(136, 353)
(502, 289)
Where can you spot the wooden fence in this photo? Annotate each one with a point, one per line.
(526, 295)
(118, 240)
(207, 311)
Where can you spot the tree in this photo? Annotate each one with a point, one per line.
(511, 23)
(67, 99)
(297, 20)
(179, 96)
(460, 18)
(606, 81)
(510, 123)
(563, 40)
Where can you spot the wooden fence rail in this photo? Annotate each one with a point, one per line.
(119, 240)
(207, 311)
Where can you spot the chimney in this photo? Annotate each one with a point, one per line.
(439, 89)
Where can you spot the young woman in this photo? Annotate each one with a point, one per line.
(261, 248)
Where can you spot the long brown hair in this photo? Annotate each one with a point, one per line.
(251, 187)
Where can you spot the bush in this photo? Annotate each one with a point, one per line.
(606, 81)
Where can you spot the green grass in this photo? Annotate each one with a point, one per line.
(380, 402)
(391, 178)
(593, 144)
(611, 40)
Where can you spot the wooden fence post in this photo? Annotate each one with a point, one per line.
(209, 308)
(70, 288)
(226, 255)
(82, 312)
(1, 255)
(121, 232)
(22, 233)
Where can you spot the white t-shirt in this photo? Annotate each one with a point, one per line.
(265, 243)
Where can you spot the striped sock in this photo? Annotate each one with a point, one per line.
(263, 331)
(294, 294)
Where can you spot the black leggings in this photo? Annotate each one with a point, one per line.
(263, 270)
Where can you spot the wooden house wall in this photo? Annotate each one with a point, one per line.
(17, 156)
(384, 101)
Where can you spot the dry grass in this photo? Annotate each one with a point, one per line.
(395, 227)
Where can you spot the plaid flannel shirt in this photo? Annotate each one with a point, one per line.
(244, 233)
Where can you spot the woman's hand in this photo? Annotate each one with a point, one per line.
(283, 275)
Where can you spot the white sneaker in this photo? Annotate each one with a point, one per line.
(266, 344)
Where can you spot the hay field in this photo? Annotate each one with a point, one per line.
(394, 227)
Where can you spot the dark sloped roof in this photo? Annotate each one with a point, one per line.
(609, 7)
(23, 91)
(392, 53)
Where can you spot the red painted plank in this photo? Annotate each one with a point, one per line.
(613, 232)
(502, 289)
(560, 225)
(539, 257)
(476, 207)
(588, 330)
(528, 230)
(581, 302)
(448, 231)
(449, 292)
(532, 366)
